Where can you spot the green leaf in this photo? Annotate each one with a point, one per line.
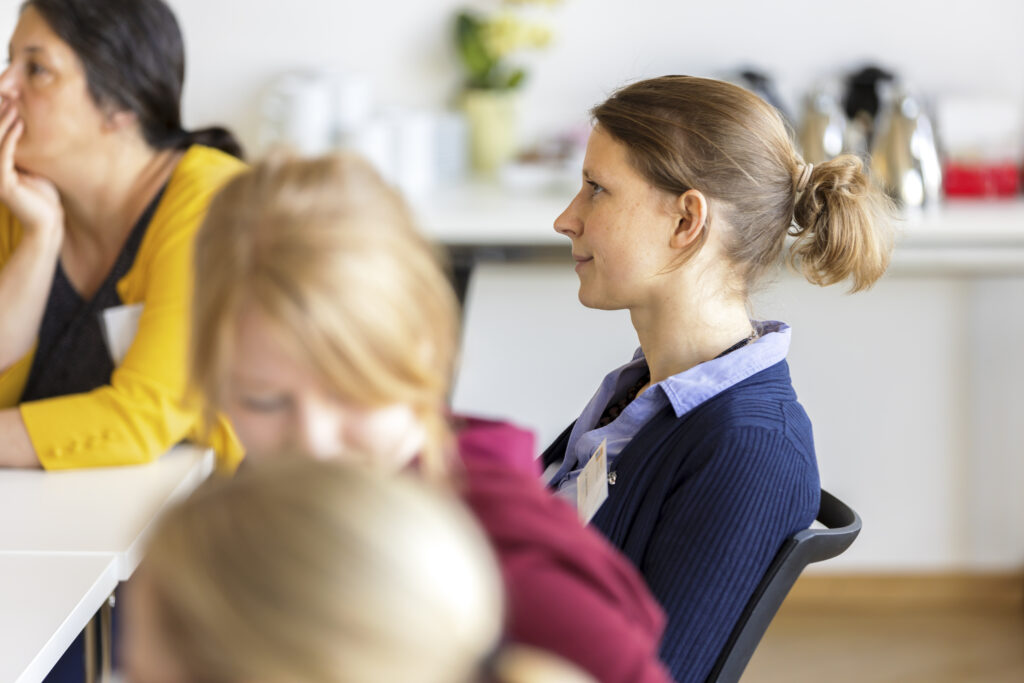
(515, 79)
(472, 49)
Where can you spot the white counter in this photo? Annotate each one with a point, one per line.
(958, 237)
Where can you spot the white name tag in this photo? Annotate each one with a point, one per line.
(592, 484)
(120, 324)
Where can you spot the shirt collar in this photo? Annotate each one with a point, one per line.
(690, 388)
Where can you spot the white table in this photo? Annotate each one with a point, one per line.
(104, 510)
(67, 539)
(45, 602)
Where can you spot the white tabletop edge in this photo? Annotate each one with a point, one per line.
(73, 624)
(128, 561)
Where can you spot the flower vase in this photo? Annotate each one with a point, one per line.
(492, 121)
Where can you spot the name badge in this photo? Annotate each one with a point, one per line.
(592, 483)
(120, 324)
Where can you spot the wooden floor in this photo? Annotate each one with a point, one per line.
(953, 645)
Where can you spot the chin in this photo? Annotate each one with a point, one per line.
(596, 302)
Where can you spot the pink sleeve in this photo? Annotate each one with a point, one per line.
(497, 441)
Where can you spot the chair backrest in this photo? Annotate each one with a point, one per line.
(842, 525)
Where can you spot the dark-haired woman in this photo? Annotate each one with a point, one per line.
(690, 188)
(101, 192)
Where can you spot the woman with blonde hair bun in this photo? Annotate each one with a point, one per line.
(324, 327)
(691, 189)
(323, 573)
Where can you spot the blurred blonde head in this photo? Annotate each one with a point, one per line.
(327, 252)
(317, 572)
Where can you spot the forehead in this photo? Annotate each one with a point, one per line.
(601, 145)
(607, 159)
(33, 35)
(32, 32)
(262, 349)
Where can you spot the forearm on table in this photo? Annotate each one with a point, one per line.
(17, 449)
(25, 282)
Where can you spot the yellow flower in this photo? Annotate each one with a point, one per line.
(501, 34)
(537, 35)
(506, 33)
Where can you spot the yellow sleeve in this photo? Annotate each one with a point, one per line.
(14, 378)
(143, 412)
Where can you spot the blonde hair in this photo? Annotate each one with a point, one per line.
(687, 133)
(322, 572)
(325, 249)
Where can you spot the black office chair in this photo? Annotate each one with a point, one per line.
(802, 548)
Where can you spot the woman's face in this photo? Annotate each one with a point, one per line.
(278, 404)
(45, 82)
(620, 226)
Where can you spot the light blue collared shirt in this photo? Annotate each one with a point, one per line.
(684, 392)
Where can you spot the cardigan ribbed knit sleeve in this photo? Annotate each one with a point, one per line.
(718, 532)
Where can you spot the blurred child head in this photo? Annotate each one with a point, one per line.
(314, 572)
(323, 322)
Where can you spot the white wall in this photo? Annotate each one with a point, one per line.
(913, 388)
(404, 46)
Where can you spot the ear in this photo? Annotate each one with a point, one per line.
(692, 209)
(119, 120)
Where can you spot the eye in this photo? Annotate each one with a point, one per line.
(35, 69)
(595, 189)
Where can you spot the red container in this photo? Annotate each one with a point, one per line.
(962, 179)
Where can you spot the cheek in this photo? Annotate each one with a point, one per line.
(259, 432)
(59, 121)
(38, 117)
(47, 136)
(388, 434)
(609, 233)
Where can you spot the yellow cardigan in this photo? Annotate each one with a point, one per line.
(142, 412)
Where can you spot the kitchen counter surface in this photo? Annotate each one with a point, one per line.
(497, 223)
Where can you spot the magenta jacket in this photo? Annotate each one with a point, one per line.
(568, 590)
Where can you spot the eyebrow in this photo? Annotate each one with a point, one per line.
(589, 177)
(30, 49)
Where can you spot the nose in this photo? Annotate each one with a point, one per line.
(8, 85)
(569, 222)
(319, 431)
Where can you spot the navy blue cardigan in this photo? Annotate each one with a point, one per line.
(701, 503)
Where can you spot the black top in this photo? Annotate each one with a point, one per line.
(71, 353)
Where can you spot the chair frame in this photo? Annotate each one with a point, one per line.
(842, 524)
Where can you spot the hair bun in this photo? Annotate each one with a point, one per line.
(841, 224)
